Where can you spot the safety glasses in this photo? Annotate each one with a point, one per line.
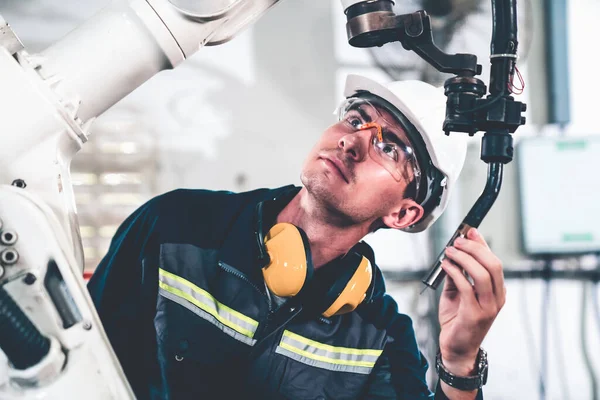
(387, 147)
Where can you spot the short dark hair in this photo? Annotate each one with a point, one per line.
(411, 190)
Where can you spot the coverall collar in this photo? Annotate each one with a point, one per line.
(240, 247)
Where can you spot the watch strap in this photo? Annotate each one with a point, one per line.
(466, 383)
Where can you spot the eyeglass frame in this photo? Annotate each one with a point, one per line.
(396, 140)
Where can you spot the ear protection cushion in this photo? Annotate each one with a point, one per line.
(367, 252)
(290, 261)
(309, 265)
(288, 271)
(351, 286)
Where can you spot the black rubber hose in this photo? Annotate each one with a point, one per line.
(20, 340)
(504, 42)
(487, 198)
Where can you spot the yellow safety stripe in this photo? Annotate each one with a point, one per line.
(329, 348)
(334, 358)
(208, 296)
(212, 306)
(316, 357)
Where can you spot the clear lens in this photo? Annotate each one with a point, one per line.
(389, 146)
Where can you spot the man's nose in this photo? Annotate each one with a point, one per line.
(354, 145)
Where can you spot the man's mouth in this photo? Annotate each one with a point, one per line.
(338, 166)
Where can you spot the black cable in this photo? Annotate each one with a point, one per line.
(595, 289)
(559, 351)
(531, 345)
(481, 107)
(544, 336)
(488, 196)
(584, 349)
(595, 304)
(20, 340)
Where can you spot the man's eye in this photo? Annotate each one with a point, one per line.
(355, 122)
(389, 150)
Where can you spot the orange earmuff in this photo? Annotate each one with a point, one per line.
(288, 269)
(355, 291)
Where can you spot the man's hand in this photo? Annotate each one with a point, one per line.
(466, 310)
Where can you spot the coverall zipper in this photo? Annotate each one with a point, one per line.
(243, 277)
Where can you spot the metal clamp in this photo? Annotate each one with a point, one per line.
(504, 55)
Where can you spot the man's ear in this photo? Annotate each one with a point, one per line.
(408, 213)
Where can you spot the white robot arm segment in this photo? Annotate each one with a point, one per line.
(53, 338)
(130, 41)
(49, 100)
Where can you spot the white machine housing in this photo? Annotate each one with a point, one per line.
(49, 101)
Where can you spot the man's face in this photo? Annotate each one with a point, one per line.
(343, 173)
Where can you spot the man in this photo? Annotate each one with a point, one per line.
(271, 294)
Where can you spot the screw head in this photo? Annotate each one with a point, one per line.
(8, 238)
(9, 256)
(20, 183)
(30, 278)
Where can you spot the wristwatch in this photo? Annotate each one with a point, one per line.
(466, 383)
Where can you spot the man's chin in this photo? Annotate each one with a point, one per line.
(331, 194)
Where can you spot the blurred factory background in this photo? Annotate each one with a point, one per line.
(243, 115)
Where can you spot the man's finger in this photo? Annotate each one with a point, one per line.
(450, 286)
(474, 234)
(488, 260)
(464, 287)
(481, 277)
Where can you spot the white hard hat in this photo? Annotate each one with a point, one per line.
(424, 106)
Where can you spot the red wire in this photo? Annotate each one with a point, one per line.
(511, 87)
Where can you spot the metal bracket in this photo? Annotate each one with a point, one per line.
(8, 39)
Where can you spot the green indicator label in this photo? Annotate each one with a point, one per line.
(577, 237)
(571, 145)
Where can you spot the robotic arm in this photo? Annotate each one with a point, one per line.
(56, 95)
(373, 23)
(52, 341)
